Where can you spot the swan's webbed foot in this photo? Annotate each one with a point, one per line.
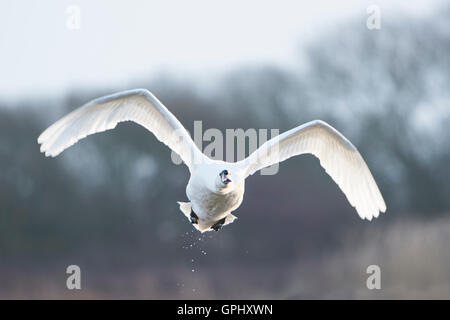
(194, 218)
(218, 225)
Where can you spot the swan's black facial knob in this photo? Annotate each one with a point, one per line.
(225, 176)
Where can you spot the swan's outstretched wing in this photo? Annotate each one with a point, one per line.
(340, 159)
(106, 112)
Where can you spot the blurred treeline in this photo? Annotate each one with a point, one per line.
(109, 202)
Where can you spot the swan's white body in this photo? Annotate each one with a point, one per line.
(209, 198)
(212, 199)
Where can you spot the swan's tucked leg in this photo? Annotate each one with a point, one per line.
(223, 222)
(218, 225)
(194, 218)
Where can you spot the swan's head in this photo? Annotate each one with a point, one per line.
(224, 178)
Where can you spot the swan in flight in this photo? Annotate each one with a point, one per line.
(216, 188)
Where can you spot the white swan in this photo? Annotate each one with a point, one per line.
(216, 188)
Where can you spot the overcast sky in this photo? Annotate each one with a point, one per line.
(119, 42)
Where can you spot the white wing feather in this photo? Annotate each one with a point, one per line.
(340, 159)
(105, 113)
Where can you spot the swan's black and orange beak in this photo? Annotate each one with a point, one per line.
(225, 176)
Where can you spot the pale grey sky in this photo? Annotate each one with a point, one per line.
(119, 42)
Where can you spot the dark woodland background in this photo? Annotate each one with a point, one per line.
(108, 204)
